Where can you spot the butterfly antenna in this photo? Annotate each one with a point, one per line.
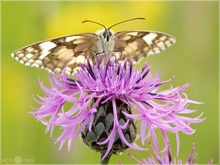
(138, 18)
(94, 22)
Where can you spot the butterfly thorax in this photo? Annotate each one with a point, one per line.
(105, 41)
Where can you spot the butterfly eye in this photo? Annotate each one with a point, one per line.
(104, 34)
(107, 34)
(110, 33)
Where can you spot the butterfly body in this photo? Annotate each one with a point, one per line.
(69, 51)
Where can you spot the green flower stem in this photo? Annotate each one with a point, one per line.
(106, 160)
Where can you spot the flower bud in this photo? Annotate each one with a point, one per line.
(103, 124)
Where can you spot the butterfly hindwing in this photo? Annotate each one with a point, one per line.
(138, 44)
(56, 54)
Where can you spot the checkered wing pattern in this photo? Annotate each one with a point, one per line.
(138, 44)
(59, 53)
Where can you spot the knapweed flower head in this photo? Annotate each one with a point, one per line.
(104, 102)
(165, 158)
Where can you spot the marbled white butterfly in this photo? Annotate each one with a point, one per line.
(69, 51)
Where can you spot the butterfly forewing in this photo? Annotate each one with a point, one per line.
(69, 51)
(138, 44)
(58, 53)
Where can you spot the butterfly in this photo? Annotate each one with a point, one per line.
(69, 51)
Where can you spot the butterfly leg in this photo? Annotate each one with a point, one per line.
(117, 55)
(120, 53)
(95, 56)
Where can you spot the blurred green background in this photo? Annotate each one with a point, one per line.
(193, 59)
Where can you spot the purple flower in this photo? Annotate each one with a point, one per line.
(165, 158)
(100, 102)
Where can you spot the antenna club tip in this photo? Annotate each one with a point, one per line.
(84, 21)
(142, 18)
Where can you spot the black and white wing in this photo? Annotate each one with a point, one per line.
(137, 44)
(58, 53)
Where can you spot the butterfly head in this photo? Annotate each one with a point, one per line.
(107, 34)
(105, 41)
(106, 37)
